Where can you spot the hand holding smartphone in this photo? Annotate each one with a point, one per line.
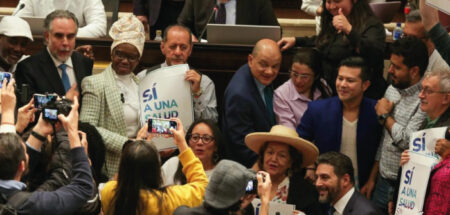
(4, 75)
(161, 126)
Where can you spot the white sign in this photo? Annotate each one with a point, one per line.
(163, 93)
(442, 5)
(415, 175)
(424, 141)
(275, 208)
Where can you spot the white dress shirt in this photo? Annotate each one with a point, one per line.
(342, 202)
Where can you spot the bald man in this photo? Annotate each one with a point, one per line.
(248, 99)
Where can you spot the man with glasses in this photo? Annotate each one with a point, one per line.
(346, 123)
(177, 47)
(57, 68)
(399, 114)
(415, 28)
(435, 98)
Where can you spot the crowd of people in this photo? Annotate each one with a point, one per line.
(330, 140)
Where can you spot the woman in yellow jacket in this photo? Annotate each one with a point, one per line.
(138, 188)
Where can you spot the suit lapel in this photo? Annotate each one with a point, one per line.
(113, 101)
(77, 69)
(350, 204)
(49, 70)
(259, 99)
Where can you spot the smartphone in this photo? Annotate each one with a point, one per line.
(50, 114)
(4, 75)
(252, 187)
(161, 126)
(40, 99)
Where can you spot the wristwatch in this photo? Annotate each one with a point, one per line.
(198, 94)
(382, 118)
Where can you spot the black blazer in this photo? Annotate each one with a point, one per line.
(359, 205)
(195, 13)
(244, 112)
(41, 74)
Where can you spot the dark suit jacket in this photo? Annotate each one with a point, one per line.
(149, 8)
(41, 74)
(322, 124)
(244, 113)
(359, 205)
(195, 13)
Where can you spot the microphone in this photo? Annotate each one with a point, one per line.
(20, 8)
(209, 20)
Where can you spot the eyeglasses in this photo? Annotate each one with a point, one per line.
(301, 76)
(427, 91)
(205, 138)
(122, 56)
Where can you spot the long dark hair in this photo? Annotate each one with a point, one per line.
(139, 168)
(312, 58)
(358, 16)
(218, 141)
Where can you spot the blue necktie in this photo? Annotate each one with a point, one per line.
(331, 211)
(64, 76)
(268, 97)
(221, 14)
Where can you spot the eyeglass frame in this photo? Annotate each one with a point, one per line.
(426, 91)
(296, 75)
(189, 137)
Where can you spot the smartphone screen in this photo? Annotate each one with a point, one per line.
(4, 75)
(50, 114)
(40, 100)
(252, 187)
(161, 126)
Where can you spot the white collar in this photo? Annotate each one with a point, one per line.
(339, 206)
(58, 62)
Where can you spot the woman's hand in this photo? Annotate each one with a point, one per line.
(178, 135)
(341, 23)
(286, 43)
(404, 158)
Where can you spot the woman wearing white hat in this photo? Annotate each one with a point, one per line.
(282, 153)
(111, 98)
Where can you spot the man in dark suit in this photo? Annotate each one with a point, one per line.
(157, 14)
(335, 183)
(248, 100)
(346, 123)
(57, 68)
(195, 13)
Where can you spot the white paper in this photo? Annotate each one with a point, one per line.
(424, 141)
(442, 5)
(275, 208)
(413, 183)
(163, 93)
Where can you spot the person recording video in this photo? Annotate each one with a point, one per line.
(229, 191)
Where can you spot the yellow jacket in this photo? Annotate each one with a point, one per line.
(190, 194)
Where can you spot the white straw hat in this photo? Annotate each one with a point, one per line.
(283, 134)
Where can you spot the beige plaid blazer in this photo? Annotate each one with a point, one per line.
(103, 109)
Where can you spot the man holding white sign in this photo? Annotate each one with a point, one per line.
(177, 47)
(435, 101)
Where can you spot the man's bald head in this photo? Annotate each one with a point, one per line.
(265, 61)
(266, 45)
